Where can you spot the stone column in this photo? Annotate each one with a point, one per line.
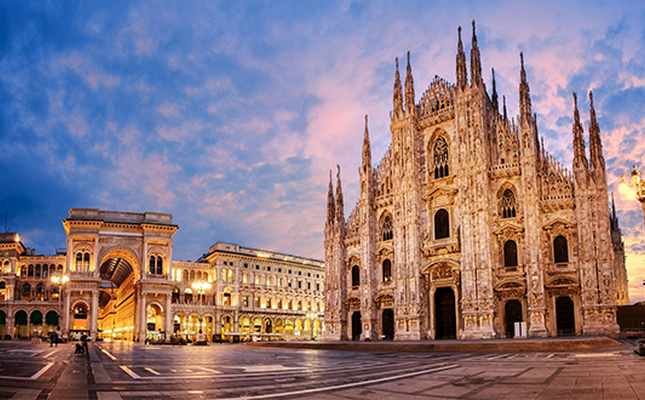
(65, 311)
(140, 326)
(94, 321)
(10, 323)
(168, 317)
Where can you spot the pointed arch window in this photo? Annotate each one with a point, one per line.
(441, 224)
(386, 228)
(387, 271)
(356, 276)
(508, 204)
(560, 250)
(440, 158)
(510, 254)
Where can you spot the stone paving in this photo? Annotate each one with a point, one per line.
(114, 371)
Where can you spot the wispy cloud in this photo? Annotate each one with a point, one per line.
(229, 115)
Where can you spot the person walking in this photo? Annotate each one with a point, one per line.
(59, 336)
(84, 340)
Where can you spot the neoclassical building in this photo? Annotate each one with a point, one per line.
(116, 280)
(467, 225)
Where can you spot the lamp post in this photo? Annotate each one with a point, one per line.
(60, 280)
(633, 187)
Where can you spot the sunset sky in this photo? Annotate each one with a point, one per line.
(229, 115)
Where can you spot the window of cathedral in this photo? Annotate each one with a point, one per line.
(245, 278)
(245, 301)
(185, 276)
(175, 296)
(299, 284)
(31, 271)
(508, 204)
(440, 158)
(560, 250)
(387, 270)
(356, 276)
(37, 271)
(229, 276)
(510, 254)
(386, 227)
(257, 280)
(441, 224)
(246, 265)
(23, 271)
(308, 285)
(256, 302)
(279, 282)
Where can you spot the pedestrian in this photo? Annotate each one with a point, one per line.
(52, 338)
(59, 336)
(84, 339)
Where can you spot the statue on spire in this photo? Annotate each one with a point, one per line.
(475, 62)
(398, 92)
(462, 76)
(410, 106)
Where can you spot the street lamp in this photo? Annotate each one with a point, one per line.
(633, 187)
(60, 280)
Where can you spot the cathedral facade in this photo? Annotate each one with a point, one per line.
(468, 228)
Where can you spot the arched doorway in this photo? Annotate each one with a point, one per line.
(565, 317)
(268, 327)
(388, 324)
(116, 300)
(3, 324)
(21, 329)
(80, 321)
(36, 320)
(357, 327)
(513, 314)
(154, 322)
(288, 329)
(445, 320)
(51, 321)
(227, 324)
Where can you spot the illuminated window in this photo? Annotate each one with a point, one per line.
(387, 270)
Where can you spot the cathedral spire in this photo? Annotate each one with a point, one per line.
(462, 76)
(398, 92)
(494, 95)
(595, 143)
(340, 206)
(331, 208)
(475, 62)
(367, 151)
(409, 89)
(505, 115)
(525, 97)
(579, 156)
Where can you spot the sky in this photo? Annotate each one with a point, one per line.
(229, 115)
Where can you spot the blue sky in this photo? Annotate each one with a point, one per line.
(229, 114)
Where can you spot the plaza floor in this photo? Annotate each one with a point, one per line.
(115, 371)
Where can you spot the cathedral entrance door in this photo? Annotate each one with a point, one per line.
(357, 327)
(513, 314)
(445, 321)
(565, 318)
(388, 324)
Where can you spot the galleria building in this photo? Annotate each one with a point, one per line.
(116, 280)
(468, 225)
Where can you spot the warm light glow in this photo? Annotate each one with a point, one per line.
(631, 195)
(263, 254)
(623, 188)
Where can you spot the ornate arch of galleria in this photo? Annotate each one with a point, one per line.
(115, 247)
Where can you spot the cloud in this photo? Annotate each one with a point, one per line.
(229, 115)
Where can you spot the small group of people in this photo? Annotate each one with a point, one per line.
(55, 337)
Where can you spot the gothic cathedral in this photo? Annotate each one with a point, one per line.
(467, 228)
